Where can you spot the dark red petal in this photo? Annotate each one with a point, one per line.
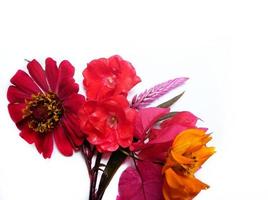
(39, 142)
(32, 137)
(68, 88)
(38, 74)
(72, 132)
(73, 121)
(62, 142)
(73, 103)
(52, 73)
(66, 71)
(155, 152)
(28, 135)
(15, 95)
(24, 82)
(15, 111)
(47, 145)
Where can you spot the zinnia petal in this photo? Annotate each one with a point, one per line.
(47, 145)
(15, 95)
(72, 132)
(62, 142)
(15, 111)
(28, 135)
(24, 82)
(69, 88)
(38, 74)
(52, 73)
(73, 103)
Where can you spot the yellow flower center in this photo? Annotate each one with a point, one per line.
(43, 112)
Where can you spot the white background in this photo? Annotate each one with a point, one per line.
(221, 45)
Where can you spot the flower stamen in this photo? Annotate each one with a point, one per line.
(44, 111)
(112, 121)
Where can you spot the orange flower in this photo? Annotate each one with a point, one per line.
(187, 154)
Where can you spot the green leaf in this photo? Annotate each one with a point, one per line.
(115, 161)
(169, 115)
(170, 102)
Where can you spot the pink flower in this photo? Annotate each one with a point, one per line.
(108, 123)
(105, 77)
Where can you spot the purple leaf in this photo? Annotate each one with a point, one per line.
(148, 96)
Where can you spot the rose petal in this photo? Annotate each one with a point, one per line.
(127, 77)
(95, 75)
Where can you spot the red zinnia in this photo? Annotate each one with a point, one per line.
(108, 123)
(105, 77)
(45, 104)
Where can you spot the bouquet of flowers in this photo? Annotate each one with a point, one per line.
(163, 148)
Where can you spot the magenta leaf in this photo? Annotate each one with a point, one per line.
(183, 118)
(146, 118)
(155, 152)
(144, 183)
(167, 134)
